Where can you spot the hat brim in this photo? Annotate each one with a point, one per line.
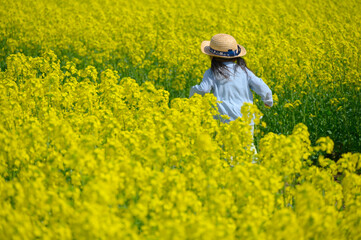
(205, 48)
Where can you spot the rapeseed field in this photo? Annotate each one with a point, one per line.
(99, 140)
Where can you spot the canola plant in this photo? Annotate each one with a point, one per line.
(97, 140)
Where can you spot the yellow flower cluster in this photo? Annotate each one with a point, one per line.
(291, 43)
(89, 158)
(95, 144)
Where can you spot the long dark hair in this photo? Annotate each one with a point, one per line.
(218, 68)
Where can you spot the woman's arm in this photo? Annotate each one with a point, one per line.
(204, 87)
(261, 88)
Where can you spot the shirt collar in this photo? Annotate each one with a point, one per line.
(229, 64)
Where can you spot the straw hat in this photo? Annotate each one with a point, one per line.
(223, 46)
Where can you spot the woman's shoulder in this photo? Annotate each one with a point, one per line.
(208, 74)
(243, 72)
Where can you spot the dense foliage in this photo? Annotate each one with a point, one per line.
(98, 139)
(307, 52)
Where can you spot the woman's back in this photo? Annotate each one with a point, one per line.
(234, 90)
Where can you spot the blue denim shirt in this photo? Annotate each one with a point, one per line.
(234, 91)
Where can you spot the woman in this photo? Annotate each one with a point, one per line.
(229, 78)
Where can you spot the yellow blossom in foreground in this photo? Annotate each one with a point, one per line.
(89, 158)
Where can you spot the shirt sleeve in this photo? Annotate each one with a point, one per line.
(204, 87)
(260, 87)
